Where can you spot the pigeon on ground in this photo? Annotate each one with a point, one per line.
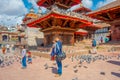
(75, 66)
(85, 67)
(80, 66)
(46, 66)
(75, 71)
(66, 66)
(54, 63)
(7, 63)
(102, 73)
(2, 65)
(75, 78)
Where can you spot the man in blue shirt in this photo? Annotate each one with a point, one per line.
(58, 50)
(94, 44)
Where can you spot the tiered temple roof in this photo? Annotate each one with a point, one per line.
(108, 12)
(3, 28)
(61, 3)
(62, 13)
(81, 9)
(30, 15)
(60, 21)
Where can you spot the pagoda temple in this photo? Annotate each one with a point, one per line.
(60, 21)
(110, 13)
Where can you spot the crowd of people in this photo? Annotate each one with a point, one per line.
(7, 48)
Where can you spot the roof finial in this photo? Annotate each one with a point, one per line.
(32, 10)
(39, 11)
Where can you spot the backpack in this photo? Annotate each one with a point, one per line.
(61, 55)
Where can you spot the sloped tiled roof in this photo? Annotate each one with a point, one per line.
(108, 6)
(103, 24)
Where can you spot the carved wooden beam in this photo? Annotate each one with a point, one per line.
(111, 18)
(49, 2)
(53, 21)
(103, 17)
(52, 2)
(48, 23)
(59, 22)
(72, 23)
(69, 3)
(81, 25)
(114, 21)
(38, 25)
(65, 22)
(61, 1)
(66, 2)
(42, 24)
(57, 0)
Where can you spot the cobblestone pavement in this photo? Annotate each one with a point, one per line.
(44, 69)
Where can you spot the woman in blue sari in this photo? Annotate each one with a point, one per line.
(24, 64)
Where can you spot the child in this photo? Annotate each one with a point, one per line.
(3, 49)
(29, 57)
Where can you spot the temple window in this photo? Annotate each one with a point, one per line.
(4, 38)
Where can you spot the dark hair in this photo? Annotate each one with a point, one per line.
(24, 46)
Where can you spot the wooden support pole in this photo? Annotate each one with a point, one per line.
(109, 16)
(65, 22)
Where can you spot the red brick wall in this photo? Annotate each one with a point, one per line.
(115, 32)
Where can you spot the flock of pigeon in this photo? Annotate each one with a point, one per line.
(88, 58)
(92, 58)
(8, 60)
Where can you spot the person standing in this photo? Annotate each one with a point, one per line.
(101, 39)
(94, 44)
(58, 50)
(8, 48)
(29, 57)
(3, 49)
(53, 51)
(24, 64)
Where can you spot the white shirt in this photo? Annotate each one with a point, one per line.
(8, 46)
(23, 52)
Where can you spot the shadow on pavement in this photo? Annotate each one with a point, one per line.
(114, 62)
(54, 70)
(115, 74)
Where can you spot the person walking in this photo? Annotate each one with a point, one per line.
(24, 64)
(57, 50)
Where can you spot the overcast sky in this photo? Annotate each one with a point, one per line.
(12, 11)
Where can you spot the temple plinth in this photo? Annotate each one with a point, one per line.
(65, 35)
